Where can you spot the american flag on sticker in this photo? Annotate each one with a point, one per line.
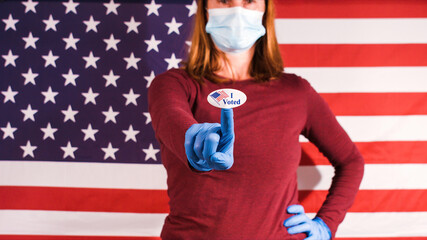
(219, 95)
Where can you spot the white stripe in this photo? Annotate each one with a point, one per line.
(364, 79)
(45, 174)
(383, 224)
(80, 223)
(376, 176)
(351, 31)
(383, 128)
(85, 175)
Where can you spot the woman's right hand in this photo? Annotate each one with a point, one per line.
(210, 145)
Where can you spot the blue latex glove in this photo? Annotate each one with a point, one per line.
(316, 229)
(210, 145)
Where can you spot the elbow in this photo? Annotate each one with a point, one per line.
(356, 164)
(353, 165)
(360, 166)
(359, 161)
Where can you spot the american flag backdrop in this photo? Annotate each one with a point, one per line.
(78, 157)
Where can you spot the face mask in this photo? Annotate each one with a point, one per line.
(235, 29)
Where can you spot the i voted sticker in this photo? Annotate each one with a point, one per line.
(226, 98)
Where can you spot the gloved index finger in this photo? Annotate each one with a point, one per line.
(227, 121)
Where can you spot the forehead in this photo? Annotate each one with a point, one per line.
(234, 1)
(251, 4)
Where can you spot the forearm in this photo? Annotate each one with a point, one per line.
(170, 130)
(343, 190)
(170, 112)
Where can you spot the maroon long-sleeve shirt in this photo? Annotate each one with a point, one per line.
(249, 200)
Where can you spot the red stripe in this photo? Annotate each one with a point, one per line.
(43, 198)
(351, 9)
(385, 238)
(374, 153)
(362, 104)
(50, 237)
(353, 55)
(84, 199)
(385, 200)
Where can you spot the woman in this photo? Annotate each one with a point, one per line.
(237, 179)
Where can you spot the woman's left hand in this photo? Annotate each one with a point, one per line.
(315, 228)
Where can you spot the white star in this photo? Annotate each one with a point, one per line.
(90, 96)
(50, 59)
(148, 116)
(150, 152)
(71, 6)
(29, 77)
(8, 131)
(111, 7)
(89, 132)
(132, 25)
(149, 79)
(71, 41)
(111, 43)
(70, 78)
(153, 44)
(69, 114)
(132, 61)
(131, 97)
(29, 113)
(69, 150)
(30, 41)
(110, 151)
(48, 132)
(10, 59)
(130, 134)
(173, 26)
(189, 45)
(50, 23)
(192, 8)
(91, 60)
(91, 24)
(110, 115)
(28, 149)
(173, 61)
(10, 23)
(30, 6)
(49, 95)
(111, 79)
(9, 95)
(153, 8)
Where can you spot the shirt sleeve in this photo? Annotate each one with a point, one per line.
(169, 101)
(323, 130)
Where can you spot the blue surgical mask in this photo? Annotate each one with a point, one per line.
(235, 29)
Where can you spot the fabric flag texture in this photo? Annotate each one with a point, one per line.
(78, 157)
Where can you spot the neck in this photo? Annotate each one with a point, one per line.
(237, 67)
